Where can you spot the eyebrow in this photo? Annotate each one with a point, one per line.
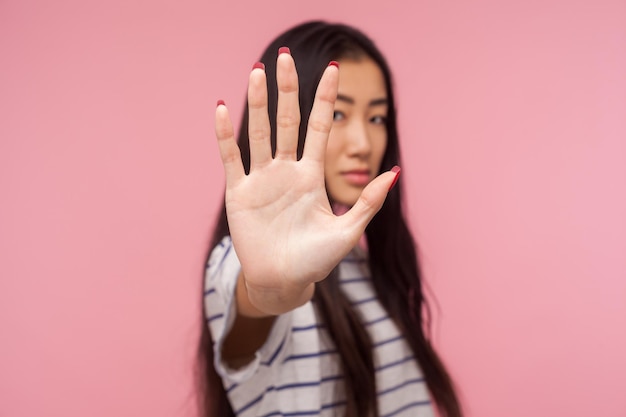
(375, 102)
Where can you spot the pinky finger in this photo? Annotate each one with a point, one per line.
(229, 151)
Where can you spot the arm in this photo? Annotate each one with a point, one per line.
(249, 331)
(241, 339)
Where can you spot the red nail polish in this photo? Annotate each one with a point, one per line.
(334, 64)
(284, 50)
(221, 102)
(395, 170)
(259, 65)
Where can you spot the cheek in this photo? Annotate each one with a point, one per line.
(333, 149)
(378, 150)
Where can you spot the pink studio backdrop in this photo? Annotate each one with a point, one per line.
(513, 121)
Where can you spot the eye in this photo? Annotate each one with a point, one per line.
(379, 120)
(338, 115)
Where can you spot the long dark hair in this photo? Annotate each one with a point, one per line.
(392, 251)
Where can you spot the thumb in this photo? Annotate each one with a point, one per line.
(372, 199)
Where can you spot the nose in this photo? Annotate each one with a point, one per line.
(359, 141)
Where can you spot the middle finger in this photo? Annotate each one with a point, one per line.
(288, 108)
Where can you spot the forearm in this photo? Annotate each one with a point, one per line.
(252, 324)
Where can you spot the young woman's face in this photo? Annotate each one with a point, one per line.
(358, 138)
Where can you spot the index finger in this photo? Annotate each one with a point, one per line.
(321, 118)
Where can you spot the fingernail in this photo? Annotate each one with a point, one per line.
(221, 102)
(334, 64)
(395, 170)
(259, 65)
(284, 50)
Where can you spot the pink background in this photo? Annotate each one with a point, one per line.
(513, 121)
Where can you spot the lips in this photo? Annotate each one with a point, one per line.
(358, 177)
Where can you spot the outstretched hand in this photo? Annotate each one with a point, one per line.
(281, 223)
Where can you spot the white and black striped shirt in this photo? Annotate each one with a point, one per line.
(296, 372)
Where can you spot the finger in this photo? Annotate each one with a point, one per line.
(371, 200)
(229, 151)
(288, 111)
(321, 118)
(258, 120)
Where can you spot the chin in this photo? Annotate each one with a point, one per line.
(346, 196)
(348, 202)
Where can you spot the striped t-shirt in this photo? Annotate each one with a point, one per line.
(296, 372)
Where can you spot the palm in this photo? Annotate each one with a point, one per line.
(280, 220)
(282, 225)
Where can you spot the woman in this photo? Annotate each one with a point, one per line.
(313, 299)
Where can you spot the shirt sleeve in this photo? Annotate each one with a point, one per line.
(220, 312)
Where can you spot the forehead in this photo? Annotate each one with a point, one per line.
(361, 79)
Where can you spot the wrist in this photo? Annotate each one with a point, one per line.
(264, 302)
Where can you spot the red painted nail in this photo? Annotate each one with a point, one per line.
(334, 64)
(395, 170)
(284, 50)
(221, 102)
(259, 65)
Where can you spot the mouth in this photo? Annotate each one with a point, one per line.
(357, 177)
